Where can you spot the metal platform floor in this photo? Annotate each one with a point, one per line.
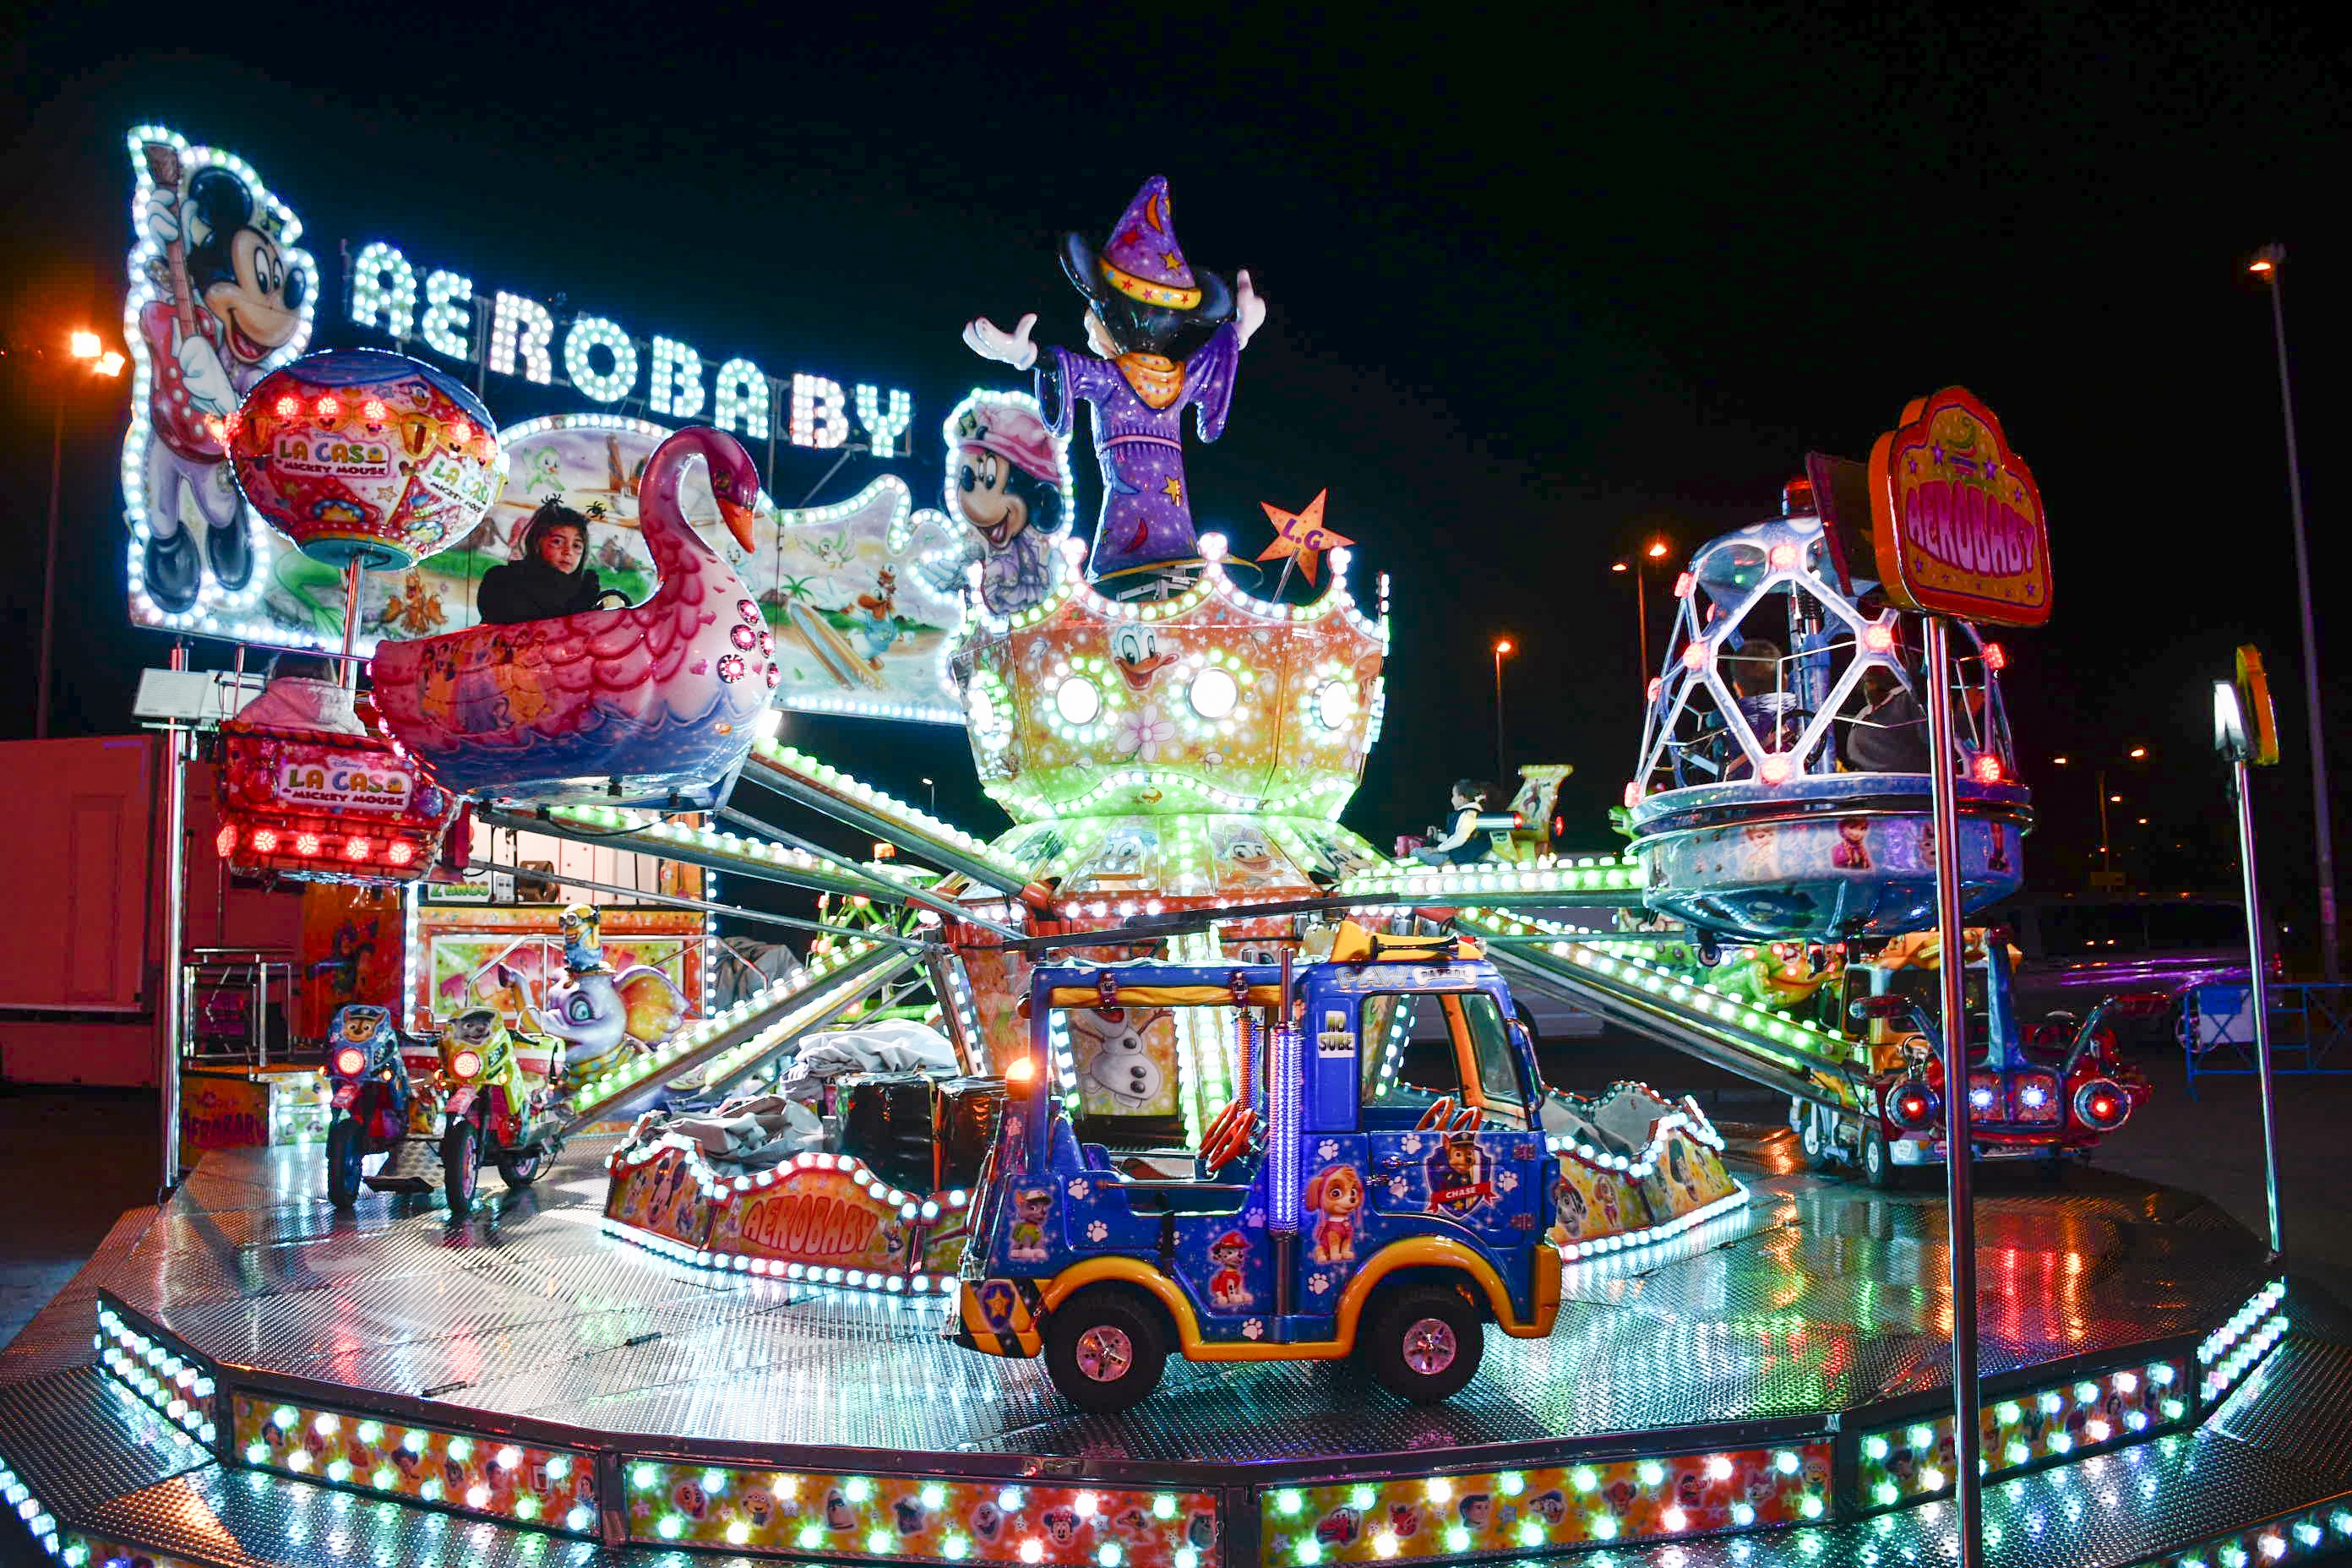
(1821, 1307)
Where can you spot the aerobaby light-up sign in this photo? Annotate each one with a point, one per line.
(442, 312)
(1957, 517)
(862, 595)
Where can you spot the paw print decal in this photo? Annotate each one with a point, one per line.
(1078, 1188)
(1318, 1283)
(1411, 1144)
(1397, 1185)
(1097, 1231)
(1255, 1328)
(1506, 1181)
(1254, 1219)
(1328, 1150)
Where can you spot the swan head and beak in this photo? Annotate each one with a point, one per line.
(735, 486)
(739, 520)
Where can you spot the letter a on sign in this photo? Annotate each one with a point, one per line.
(1957, 517)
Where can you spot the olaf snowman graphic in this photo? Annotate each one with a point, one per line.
(1121, 1064)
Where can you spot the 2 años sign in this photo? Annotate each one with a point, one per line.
(1957, 517)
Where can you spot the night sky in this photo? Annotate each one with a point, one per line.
(1541, 287)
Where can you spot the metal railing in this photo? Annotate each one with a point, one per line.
(2307, 1024)
(226, 996)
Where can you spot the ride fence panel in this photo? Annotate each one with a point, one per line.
(2307, 1024)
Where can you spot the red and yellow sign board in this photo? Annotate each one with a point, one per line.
(817, 1216)
(1957, 517)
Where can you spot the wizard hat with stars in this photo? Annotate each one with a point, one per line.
(1142, 262)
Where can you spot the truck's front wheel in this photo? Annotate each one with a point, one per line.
(1104, 1348)
(1426, 1341)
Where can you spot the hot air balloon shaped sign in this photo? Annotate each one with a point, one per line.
(364, 458)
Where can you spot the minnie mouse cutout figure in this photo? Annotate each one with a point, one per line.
(229, 296)
(1164, 338)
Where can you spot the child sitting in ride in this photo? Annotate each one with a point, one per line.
(552, 579)
(1461, 844)
(1753, 673)
(1891, 735)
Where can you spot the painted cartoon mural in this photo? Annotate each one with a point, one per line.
(1009, 484)
(1126, 1061)
(220, 295)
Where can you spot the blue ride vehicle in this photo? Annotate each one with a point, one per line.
(1331, 1208)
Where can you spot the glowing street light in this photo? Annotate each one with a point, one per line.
(87, 347)
(2106, 849)
(1639, 568)
(1502, 646)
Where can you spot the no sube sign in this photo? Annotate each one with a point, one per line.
(1957, 516)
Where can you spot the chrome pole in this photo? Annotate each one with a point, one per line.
(1968, 1501)
(175, 926)
(2258, 945)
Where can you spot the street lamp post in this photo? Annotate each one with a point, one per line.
(85, 347)
(934, 806)
(2106, 843)
(1502, 647)
(2266, 265)
(1639, 570)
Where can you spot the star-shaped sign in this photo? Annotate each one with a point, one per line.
(1300, 533)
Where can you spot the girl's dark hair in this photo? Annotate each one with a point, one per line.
(554, 515)
(1475, 789)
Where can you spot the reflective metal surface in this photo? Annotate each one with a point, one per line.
(1819, 1299)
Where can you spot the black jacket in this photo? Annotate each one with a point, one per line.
(533, 591)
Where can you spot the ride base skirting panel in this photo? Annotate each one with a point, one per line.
(244, 1376)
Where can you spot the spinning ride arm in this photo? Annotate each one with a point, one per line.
(1582, 881)
(800, 777)
(1613, 979)
(647, 834)
(745, 1037)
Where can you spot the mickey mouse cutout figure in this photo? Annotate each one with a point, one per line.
(229, 296)
(1165, 338)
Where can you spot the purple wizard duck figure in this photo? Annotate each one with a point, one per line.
(1164, 338)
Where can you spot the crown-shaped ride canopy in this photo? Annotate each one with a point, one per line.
(1211, 700)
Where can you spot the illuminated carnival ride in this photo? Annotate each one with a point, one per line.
(1177, 1064)
(1781, 790)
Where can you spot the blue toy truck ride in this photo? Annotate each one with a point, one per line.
(1331, 1209)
